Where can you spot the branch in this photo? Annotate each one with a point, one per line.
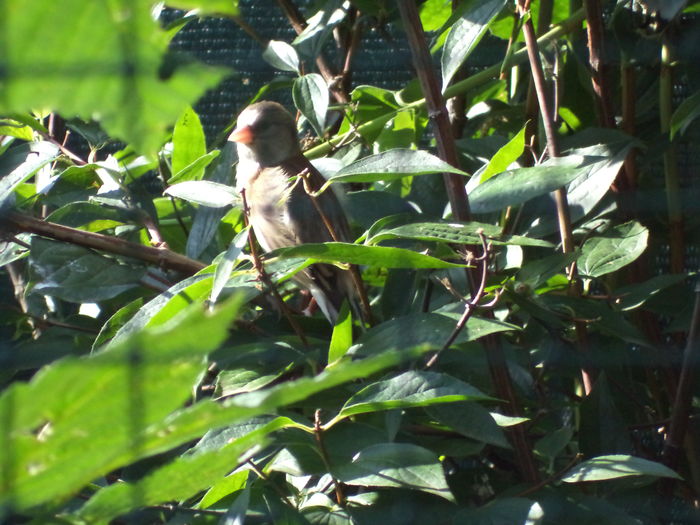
(298, 22)
(519, 57)
(161, 257)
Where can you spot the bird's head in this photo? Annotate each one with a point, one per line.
(266, 134)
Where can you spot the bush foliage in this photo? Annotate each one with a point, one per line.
(524, 262)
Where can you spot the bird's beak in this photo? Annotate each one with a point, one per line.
(243, 135)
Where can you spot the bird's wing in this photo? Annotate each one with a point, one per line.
(304, 213)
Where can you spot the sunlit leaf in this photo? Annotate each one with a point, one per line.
(614, 249)
(616, 466)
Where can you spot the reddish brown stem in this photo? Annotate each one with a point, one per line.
(460, 210)
(161, 257)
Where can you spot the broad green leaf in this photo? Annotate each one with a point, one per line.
(228, 485)
(434, 13)
(341, 338)
(461, 233)
(514, 187)
(471, 420)
(617, 466)
(384, 257)
(20, 163)
(204, 192)
(94, 409)
(465, 35)
(207, 220)
(423, 332)
(536, 272)
(609, 252)
(393, 164)
(282, 56)
(188, 142)
(226, 264)
(77, 274)
(119, 56)
(90, 216)
(410, 389)
(12, 128)
(685, 114)
(396, 465)
(319, 28)
(635, 295)
(208, 7)
(194, 170)
(310, 94)
(505, 156)
(181, 479)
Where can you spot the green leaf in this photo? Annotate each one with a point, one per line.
(77, 274)
(20, 163)
(514, 187)
(410, 389)
(381, 256)
(282, 56)
(465, 35)
(423, 332)
(461, 233)
(194, 170)
(393, 164)
(188, 142)
(471, 420)
(396, 465)
(341, 339)
(94, 410)
(635, 295)
(119, 54)
(618, 247)
(12, 128)
(181, 479)
(310, 94)
(617, 466)
(208, 7)
(228, 485)
(226, 264)
(204, 192)
(505, 156)
(685, 114)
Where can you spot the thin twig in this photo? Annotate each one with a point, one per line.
(318, 434)
(460, 205)
(470, 306)
(563, 213)
(298, 23)
(684, 395)
(552, 478)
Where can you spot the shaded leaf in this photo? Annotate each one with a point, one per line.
(461, 233)
(410, 389)
(77, 274)
(617, 466)
(310, 94)
(685, 114)
(396, 465)
(465, 35)
(618, 247)
(514, 187)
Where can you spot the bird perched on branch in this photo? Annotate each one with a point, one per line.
(278, 183)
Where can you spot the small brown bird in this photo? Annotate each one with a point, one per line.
(270, 170)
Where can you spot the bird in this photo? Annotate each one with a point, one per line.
(275, 179)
